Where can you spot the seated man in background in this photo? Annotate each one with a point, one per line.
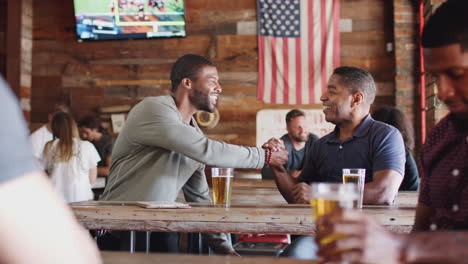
(294, 142)
(91, 130)
(35, 225)
(443, 203)
(161, 150)
(358, 141)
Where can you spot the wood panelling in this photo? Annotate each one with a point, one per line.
(64, 67)
(3, 27)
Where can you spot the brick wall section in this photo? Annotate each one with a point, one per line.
(26, 57)
(16, 49)
(406, 59)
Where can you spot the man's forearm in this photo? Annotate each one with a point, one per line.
(284, 182)
(436, 247)
(376, 195)
(383, 188)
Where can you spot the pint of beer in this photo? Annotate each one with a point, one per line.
(326, 197)
(357, 176)
(222, 186)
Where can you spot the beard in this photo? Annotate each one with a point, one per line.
(299, 138)
(202, 101)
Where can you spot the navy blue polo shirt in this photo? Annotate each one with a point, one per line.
(374, 146)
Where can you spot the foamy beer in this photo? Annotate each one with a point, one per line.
(326, 197)
(357, 176)
(221, 179)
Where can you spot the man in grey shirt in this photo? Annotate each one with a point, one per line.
(161, 150)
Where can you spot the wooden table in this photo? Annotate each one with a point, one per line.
(273, 196)
(140, 258)
(204, 218)
(250, 195)
(407, 198)
(254, 183)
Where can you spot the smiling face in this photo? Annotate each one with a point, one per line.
(337, 101)
(206, 89)
(448, 65)
(297, 129)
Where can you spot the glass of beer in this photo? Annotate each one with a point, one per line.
(221, 179)
(357, 176)
(327, 197)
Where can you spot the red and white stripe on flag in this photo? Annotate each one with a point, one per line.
(298, 49)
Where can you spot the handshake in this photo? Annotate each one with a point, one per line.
(279, 154)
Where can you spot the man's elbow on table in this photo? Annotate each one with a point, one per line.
(384, 187)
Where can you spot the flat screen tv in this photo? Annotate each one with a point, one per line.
(129, 19)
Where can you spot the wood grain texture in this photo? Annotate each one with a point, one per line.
(239, 218)
(212, 32)
(140, 258)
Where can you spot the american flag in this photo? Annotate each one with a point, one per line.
(298, 49)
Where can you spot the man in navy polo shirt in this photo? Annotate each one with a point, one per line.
(358, 141)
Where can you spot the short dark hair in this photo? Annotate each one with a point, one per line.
(187, 66)
(92, 122)
(293, 114)
(358, 80)
(394, 117)
(448, 25)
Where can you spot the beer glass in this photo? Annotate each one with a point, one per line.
(357, 176)
(326, 197)
(221, 179)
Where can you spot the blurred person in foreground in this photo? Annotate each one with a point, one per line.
(396, 118)
(443, 199)
(295, 142)
(35, 224)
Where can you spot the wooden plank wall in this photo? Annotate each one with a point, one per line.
(223, 30)
(3, 26)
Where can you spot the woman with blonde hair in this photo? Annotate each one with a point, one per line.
(70, 162)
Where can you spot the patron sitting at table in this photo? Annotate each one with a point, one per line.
(358, 141)
(294, 141)
(442, 205)
(91, 130)
(161, 149)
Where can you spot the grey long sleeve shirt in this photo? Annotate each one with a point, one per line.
(157, 154)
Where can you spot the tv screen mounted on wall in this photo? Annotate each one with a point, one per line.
(129, 19)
